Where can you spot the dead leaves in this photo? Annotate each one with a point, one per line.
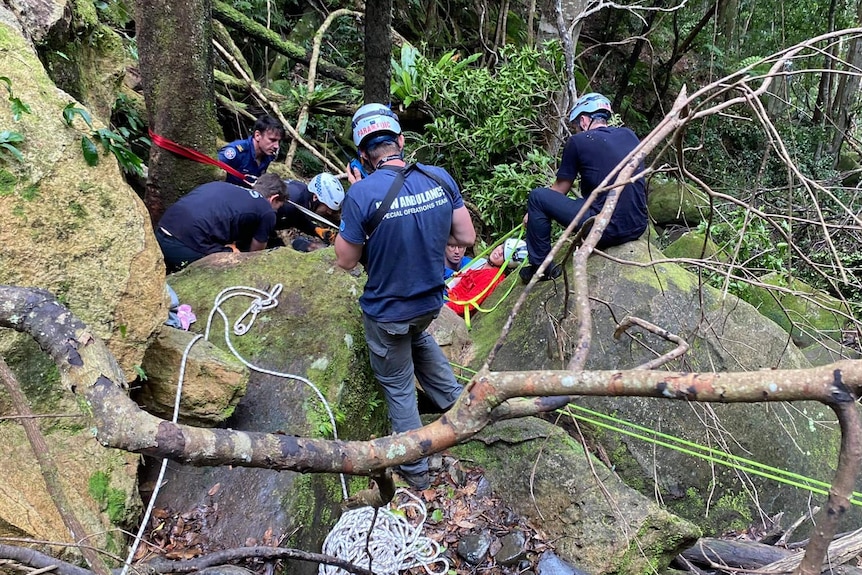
(460, 503)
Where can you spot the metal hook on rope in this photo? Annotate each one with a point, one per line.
(257, 306)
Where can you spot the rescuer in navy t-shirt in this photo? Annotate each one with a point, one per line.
(405, 252)
(591, 153)
(217, 217)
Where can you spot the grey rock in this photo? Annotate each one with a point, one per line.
(550, 564)
(473, 548)
(512, 549)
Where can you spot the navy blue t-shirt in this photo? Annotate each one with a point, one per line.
(216, 214)
(407, 250)
(592, 155)
(239, 155)
(289, 216)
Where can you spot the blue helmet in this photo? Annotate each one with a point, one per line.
(590, 104)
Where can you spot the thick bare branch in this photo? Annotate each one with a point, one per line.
(87, 368)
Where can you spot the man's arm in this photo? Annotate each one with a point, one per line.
(256, 246)
(562, 186)
(347, 254)
(463, 231)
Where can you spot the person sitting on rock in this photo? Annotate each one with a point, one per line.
(591, 153)
(308, 210)
(217, 217)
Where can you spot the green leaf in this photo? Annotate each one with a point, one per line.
(437, 515)
(18, 108)
(12, 150)
(91, 153)
(70, 111)
(10, 136)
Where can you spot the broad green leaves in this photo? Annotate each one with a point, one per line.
(113, 142)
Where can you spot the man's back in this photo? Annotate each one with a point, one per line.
(592, 155)
(218, 213)
(290, 216)
(405, 254)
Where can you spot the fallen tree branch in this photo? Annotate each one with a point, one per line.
(302, 117)
(33, 558)
(287, 125)
(236, 19)
(680, 350)
(87, 368)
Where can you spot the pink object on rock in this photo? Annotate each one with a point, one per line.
(186, 316)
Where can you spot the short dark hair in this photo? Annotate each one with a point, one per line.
(269, 185)
(267, 123)
(378, 151)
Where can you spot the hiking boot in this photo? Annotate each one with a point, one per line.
(554, 271)
(419, 481)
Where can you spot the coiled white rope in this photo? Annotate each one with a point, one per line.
(394, 544)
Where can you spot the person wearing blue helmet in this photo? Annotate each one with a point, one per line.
(400, 218)
(591, 153)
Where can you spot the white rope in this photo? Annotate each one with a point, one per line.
(262, 301)
(394, 544)
(146, 520)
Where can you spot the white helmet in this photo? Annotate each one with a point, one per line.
(328, 190)
(515, 251)
(374, 120)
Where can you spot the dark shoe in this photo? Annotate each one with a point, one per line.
(420, 481)
(554, 271)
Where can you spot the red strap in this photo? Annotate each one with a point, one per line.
(191, 154)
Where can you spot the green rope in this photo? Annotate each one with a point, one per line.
(694, 449)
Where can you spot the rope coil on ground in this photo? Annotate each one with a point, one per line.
(394, 544)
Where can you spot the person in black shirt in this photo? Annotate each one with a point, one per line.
(592, 152)
(217, 217)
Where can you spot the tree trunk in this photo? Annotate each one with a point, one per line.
(176, 61)
(378, 51)
(847, 92)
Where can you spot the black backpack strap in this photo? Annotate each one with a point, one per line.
(387, 201)
(440, 181)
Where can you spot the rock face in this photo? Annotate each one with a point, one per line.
(213, 380)
(82, 233)
(75, 230)
(595, 521)
(675, 202)
(725, 335)
(314, 332)
(807, 314)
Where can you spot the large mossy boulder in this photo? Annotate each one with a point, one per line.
(76, 230)
(83, 234)
(807, 314)
(692, 245)
(673, 202)
(725, 334)
(596, 522)
(315, 335)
